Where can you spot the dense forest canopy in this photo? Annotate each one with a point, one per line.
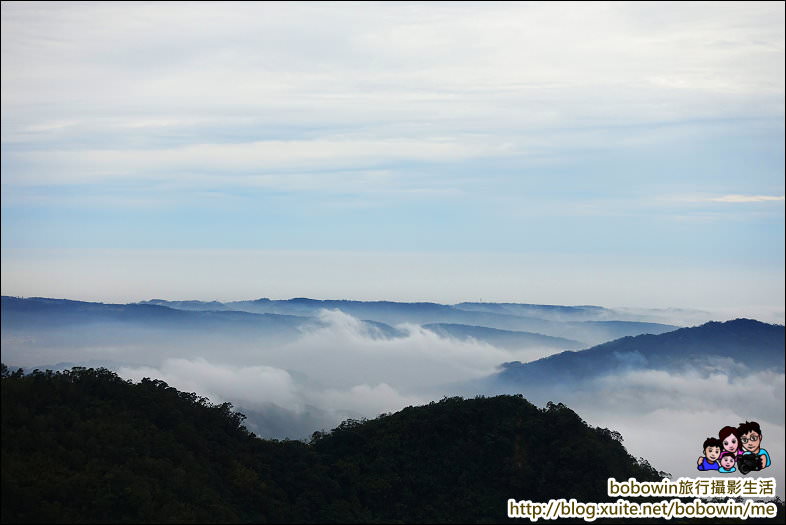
(85, 445)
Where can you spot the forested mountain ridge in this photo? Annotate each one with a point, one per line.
(86, 446)
(752, 344)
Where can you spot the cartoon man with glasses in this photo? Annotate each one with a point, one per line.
(750, 437)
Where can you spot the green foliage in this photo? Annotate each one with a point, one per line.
(86, 446)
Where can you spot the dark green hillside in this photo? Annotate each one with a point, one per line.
(86, 446)
(455, 459)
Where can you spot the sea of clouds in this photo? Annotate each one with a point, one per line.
(345, 369)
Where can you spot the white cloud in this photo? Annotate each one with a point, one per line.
(665, 416)
(259, 387)
(365, 399)
(649, 390)
(383, 81)
(671, 438)
(748, 198)
(708, 208)
(245, 384)
(662, 416)
(218, 162)
(345, 352)
(344, 365)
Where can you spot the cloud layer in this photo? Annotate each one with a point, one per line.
(210, 91)
(665, 416)
(748, 198)
(344, 370)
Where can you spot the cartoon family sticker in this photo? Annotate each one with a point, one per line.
(735, 449)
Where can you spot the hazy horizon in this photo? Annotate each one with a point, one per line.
(447, 278)
(678, 315)
(616, 154)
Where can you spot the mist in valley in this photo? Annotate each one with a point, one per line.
(304, 374)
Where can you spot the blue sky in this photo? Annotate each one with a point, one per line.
(610, 153)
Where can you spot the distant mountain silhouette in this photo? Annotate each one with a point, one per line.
(84, 445)
(38, 313)
(586, 324)
(43, 313)
(751, 344)
(502, 338)
(544, 311)
(387, 312)
(188, 305)
(283, 320)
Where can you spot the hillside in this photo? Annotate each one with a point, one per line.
(752, 345)
(85, 445)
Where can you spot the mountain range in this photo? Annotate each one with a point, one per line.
(61, 321)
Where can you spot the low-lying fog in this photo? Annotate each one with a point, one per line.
(342, 367)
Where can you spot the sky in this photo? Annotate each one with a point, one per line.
(620, 154)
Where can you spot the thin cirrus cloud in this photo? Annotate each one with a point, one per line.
(210, 91)
(748, 198)
(733, 198)
(255, 158)
(502, 66)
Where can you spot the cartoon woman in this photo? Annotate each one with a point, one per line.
(730, 440)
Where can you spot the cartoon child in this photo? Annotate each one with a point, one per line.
(727, 461)
(712, 451)
(750, 437)
(730, 440)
